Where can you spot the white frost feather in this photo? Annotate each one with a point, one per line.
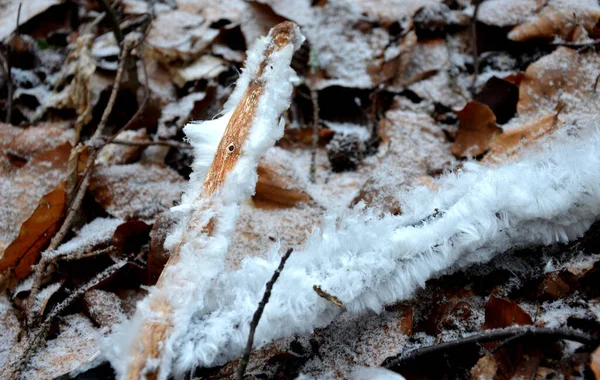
(201, 257)
(368, 261)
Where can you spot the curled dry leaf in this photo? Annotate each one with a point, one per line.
(477, 128)
(567, 21)
(508, 145)
(35, 233)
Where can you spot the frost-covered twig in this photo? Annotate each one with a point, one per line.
(314, 97)
(227, 151)
(493, 336)
(256, 318)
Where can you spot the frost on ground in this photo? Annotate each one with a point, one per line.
(451, 187)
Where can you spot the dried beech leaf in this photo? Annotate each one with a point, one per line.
(508, 145)
(103, 307)
(500, 313)
(34, 140)
(501, 96)
(130, 237)
(275, 187)
(563, 22)
(29, 9)
(136, 190)
(35, 233)
(477, 128)
(546, 79)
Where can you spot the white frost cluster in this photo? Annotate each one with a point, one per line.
(367, 261)
(202, 257)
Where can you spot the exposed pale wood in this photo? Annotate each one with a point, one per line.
(155, 332)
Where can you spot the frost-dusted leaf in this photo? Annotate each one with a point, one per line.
(76, 343)
(34, 140)
(29, 9)
(477, 127)
(179, 36)
(118, 154)
(23, 187)
(546, 79)
(507, 12)
(103, 307)
(500, 313)
(206, 67)
(136, 190)
(508, 145)
(426, 58)
(563, 19)
(35, 233)
(42, 299)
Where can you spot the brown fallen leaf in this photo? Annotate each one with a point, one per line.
(500, 313)
(35, 233)
(477, 128)
(566, 22)
(275, 188)
(158, 255)
(28, 9)
(29, 142)
(135, 190)
(130, 237)
(508, 145)
(501, 96)
(103, 307)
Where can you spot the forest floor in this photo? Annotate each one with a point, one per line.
(391, 95)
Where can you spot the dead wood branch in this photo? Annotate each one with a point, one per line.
(155, 333)
(492, 336)
(314, 97)
(474, 45)
(256, 318)
(329, 297)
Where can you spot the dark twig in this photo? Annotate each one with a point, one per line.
(9, 79)
(112, 20)
(577, 44)
(256, 318)
(495, 335)
(474, 44)
(596, 84)
(314, 97)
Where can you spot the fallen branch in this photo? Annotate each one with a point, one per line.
(492, 336)
(314, 97)
(474, 45)
(203, 235)
(256, 318)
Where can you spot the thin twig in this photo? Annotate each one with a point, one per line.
(261, 307)
(495, 335)
(577, 44)
(40, 332)
(95, 147)
(314, 97)
(9, 79)
(474, 44)
(173, 144)
(112, 20)
(78, 256)
(596, 84)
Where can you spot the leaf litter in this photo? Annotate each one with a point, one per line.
(414, 122)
